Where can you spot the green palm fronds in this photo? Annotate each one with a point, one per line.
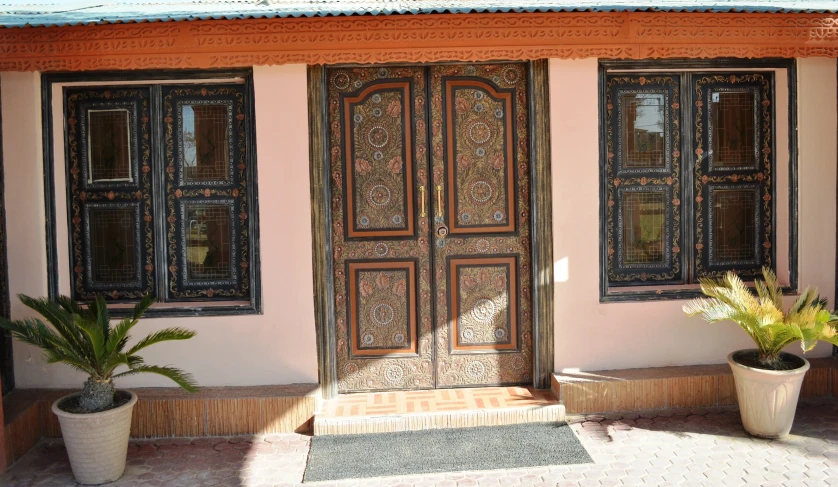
(762, 317)
(85, 339)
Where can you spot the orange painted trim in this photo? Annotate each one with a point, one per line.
(416, 38)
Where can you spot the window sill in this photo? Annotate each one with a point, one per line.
(629, 296)
(180, 310)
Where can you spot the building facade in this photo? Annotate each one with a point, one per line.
(418, 201)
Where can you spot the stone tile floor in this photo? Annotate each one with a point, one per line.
(686, 447)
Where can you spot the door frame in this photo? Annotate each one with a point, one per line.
(7, 373)
(541, 222)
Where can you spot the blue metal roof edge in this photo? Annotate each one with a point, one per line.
(95, 15)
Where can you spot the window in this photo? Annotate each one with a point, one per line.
(110, 189)
(160, 192)
(688, 179)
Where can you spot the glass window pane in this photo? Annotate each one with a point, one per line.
(643, 229)
(205, 139)
(733, 131)
(734, 225)
(114, 246)
(643, 121)
(208, 244)
(109, 145)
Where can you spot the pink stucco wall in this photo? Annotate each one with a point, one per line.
(279, 346)
(590, 335)
(275, 348)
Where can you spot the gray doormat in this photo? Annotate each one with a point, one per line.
(336, 457)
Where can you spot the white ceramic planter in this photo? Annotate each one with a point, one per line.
(767, 398)
(97, 443)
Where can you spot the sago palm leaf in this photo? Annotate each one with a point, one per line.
(830, 332)
(762, 316)
(180, 377)
(141, 307)
(770, 290)
(715, 310)
(71, 306)
(63, 323)
(99, 312)
(34, 332)
(74, 361)
(93, 332)
(782, 334)
(163, 335)
(118, 338)
(118, 359)
(85, 340)
(56, 349)
(806, 299)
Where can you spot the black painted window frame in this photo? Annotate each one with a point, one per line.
(241, 295)
(684, 286)
(231, 193)
(622, 181)
(86, 195)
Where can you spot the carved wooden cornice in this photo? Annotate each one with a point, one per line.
(416, 38)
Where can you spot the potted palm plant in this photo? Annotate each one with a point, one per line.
(95, 422)
(767, 379)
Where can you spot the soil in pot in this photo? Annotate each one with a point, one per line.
(750, 358)
(71, 404)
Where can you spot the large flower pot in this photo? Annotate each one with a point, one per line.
(767, 398)
(97, 443)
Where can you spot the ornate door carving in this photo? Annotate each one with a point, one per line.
(409, 249)
(378, 161)
(482, 248)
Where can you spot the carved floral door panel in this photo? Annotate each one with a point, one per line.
(480, 165)
(378, 161)
(392, 224)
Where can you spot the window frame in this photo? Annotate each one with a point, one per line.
(157, 81)
(628, 293)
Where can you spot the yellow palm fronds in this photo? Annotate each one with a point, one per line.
(761, 315)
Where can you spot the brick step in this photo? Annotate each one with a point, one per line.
(381, 412)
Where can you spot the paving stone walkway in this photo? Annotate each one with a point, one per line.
(697, 447)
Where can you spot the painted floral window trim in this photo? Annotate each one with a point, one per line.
(698, 180)
(83, 193)
(211, 191)
(762, 176)
(142, 193)
(669, 181)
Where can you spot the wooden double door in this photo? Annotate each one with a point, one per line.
(430, 225)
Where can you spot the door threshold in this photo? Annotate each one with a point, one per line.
(379, 412)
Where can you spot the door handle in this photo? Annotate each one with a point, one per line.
(439, 200)
(422, 208)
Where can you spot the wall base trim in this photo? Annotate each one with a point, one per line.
(173, 412)
(671, 387)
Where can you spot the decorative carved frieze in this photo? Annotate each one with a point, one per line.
(416, 38)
